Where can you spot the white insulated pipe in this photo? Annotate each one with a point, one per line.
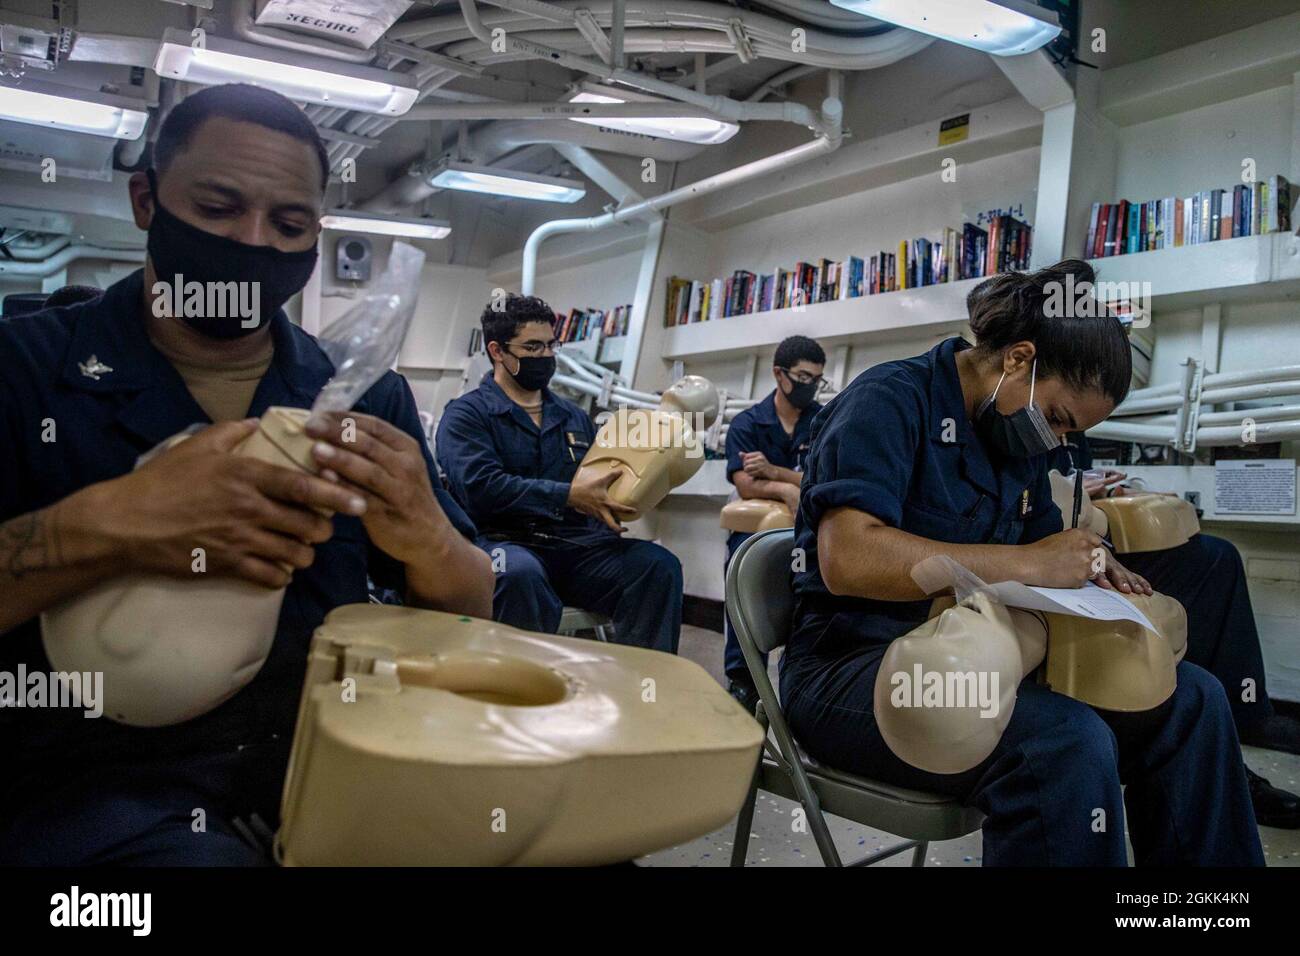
(1216, 395)
(1268, 413)
(718, 105)
(1205, 437)
(587, 388)
(1216, 379)
(504, 110)
(827, 142)
(65, 256)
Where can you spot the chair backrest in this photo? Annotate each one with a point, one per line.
(760, 598)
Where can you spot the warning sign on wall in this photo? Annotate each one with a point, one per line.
(954, 130)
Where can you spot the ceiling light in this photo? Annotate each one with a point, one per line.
(1000, 27)
(451, 174)
(687, 129)
(352, 220)
(325, 82)
(68, 108)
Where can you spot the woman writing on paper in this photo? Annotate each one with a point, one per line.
(944, 453)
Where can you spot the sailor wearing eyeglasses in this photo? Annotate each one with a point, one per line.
(510, 450)
(766, 445)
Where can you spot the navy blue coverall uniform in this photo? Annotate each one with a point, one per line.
(513, 479)
(1206, 576)
(897, 444)
(85, 791)
(758, 428)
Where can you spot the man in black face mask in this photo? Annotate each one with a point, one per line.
(766, 445)
(510, 450)
(198, 336)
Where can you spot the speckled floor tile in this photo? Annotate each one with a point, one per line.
(776, 841)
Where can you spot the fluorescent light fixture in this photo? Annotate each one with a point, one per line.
(298, 76)
(1000, 27)
(68, 108)
(687, 129)
(351, 220)
(451, 174)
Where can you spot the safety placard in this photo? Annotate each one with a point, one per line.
(1258, 487)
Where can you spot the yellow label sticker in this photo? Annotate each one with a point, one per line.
(954, 130)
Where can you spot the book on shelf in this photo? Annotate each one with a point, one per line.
(1247, 209)
(968, 253)
(581, 324)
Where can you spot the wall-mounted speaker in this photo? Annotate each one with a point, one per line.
(352, 258)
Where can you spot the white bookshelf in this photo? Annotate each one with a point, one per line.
(1248, 268)
(929, 310)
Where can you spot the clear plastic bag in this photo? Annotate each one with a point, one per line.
(940, 573)
(363, 343)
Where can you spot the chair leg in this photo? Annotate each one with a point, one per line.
(745, 821)
(821, 830)
(600, 633)
(918, 855)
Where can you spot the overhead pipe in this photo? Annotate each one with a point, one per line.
(719, 105)
(826, 142)
(693, 39)
(618, 22)
(773, 32)
(780, 79)
(64, 257)
(561, 110)
(30, 253)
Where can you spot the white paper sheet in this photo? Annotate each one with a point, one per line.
(1088, 601)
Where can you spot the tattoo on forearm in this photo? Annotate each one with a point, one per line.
(28, 543)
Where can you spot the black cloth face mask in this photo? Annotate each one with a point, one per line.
(182, 254)
(1022, 434)
(535, 371)
(801, 394)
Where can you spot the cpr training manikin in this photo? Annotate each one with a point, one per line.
(654, 450)
(1115, 666)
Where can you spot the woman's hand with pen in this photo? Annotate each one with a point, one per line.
(1070, 558)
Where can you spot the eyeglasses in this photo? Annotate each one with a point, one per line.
(803, 378)
(534, 348)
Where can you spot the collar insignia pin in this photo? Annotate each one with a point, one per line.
(93, 368)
